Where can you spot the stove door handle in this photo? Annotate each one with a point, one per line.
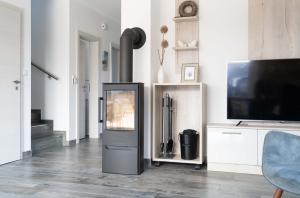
(119, 148)
(101, 110)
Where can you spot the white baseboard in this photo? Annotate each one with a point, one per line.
(234, 168)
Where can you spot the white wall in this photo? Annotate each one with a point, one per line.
(223, 37)
(50, 50)
(25, 5)
(88, 20)
(137, 13)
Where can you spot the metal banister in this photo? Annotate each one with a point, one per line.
(44, 71)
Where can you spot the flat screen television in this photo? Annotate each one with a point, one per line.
(264, 90)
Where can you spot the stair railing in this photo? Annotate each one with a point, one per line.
(44, 71)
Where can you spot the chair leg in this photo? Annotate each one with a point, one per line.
(278, 193)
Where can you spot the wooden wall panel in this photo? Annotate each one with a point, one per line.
(274, 29)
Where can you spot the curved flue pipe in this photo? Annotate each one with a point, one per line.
(132, 38)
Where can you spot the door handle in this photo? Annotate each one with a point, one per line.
(17, 82)
(231, 133)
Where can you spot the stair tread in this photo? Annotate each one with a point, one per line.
(49, 136)
(42, 134)
(39, 124)
(43, 143)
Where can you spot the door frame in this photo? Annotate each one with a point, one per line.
(91, 38)
(111, 46)
(22, 89)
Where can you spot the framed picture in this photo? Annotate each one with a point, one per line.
(105, 60)
(189, 72)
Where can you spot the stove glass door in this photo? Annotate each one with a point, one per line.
(120, 110)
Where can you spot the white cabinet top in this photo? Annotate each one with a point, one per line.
(178, 84)
(269, 126)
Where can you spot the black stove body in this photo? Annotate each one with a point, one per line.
(123, 128)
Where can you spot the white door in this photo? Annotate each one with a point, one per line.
(84, 88)
(10, 50)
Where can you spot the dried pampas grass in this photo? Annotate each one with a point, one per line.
(164, 44)
(164, 29)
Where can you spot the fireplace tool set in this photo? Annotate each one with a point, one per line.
(166, 147)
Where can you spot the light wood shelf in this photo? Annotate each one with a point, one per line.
(177, 159)
(189, 113)
(185, 19)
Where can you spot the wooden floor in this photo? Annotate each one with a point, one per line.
(72, 172)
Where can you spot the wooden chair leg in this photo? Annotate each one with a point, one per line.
(278, 193)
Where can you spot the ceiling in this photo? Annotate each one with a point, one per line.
(108, 8)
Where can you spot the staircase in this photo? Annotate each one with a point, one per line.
(42, 135)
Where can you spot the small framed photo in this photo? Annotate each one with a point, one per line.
(189, 72)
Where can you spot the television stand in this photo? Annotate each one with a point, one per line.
(239, 123)
(239, 149)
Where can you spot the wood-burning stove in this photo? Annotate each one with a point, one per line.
(123, 113)
(123, 128)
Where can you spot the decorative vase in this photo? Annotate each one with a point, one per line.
(160, 74)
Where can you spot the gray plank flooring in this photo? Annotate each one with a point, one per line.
(72, 172)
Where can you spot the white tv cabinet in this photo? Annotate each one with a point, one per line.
(239, 149)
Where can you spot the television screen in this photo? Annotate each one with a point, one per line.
(264, 90)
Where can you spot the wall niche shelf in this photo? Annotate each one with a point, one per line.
(189, 113)
(186, 30)
(185, 19)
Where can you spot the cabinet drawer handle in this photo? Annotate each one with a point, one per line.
(231, 133)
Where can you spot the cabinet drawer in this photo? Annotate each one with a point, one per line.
(234, 146)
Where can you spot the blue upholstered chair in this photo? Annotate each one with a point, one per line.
(281, 162)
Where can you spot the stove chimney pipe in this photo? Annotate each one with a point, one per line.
(133, 38)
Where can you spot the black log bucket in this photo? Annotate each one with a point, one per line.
(188, 144)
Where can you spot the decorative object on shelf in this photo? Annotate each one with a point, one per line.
(105, 60)
(161, 53)
(188, 144)
(166, 147)
(193, 43)
(181, 44)
(188, 9)
(188, 45)
(189, 72)
(161, 75)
